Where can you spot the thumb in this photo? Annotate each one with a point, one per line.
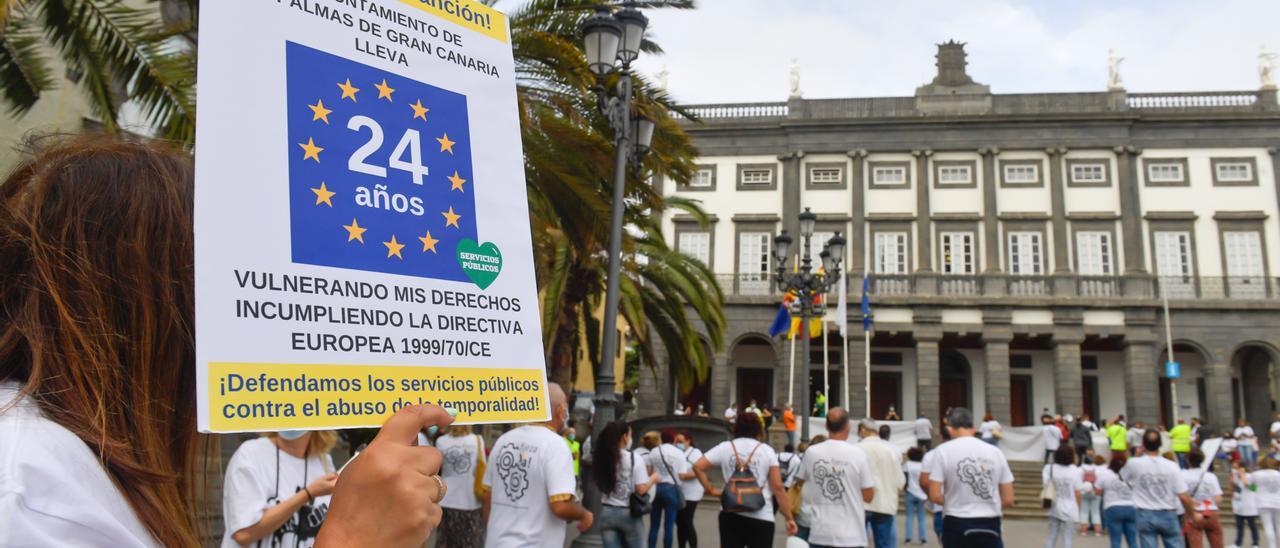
(402, 428)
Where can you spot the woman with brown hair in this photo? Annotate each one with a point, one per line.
(98, 442)
(277, 487)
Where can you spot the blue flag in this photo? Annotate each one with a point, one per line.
(866, 303)
(782, 321)
(380, 174)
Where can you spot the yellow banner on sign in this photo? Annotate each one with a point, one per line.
(468, 13)
(271, 396)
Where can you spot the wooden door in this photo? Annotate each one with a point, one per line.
(955, 393)
(886, 390)
(1089, 385)
(754, 384)
(1020, 400)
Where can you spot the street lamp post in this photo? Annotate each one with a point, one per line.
(807, 284)
(611, 43)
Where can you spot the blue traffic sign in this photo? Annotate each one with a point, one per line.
(1172, 370)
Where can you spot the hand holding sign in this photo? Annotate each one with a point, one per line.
(387, 496)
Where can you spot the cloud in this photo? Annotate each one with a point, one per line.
(739, 50)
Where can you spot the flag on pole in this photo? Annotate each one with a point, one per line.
(782, 321)
(840, 315)
(866, 303)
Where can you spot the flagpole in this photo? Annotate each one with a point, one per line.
(791, 372)
(845, 354)
(826, 362)
(866, 356)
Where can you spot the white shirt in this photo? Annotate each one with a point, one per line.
(1133, 438)
(988, 429)
(668, 462)
(788, 465)
(258, 477)
(461, 457)
(886, 468)
(1229, 445)
(1275, 428)
(1246, 435)
(1268, 482)
(1052, 437)
(764, 459)
(730, 414)
(971, 472)
(1115, 492)
(1156, 482)
(1244, 500)
(913, 469)
(835, 473)
(1202, 487)
(630, 474)
(528, 465)
(1067, 481)
(53, 489)
(925, 464)
(924, 429)
(692, 488)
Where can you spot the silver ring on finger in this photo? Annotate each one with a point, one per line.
(441, 488)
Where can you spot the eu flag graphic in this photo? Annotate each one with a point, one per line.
(380, 174)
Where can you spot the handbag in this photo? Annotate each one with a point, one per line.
(478, 485)
(1048, 492)
(674, 480)
(742, 493)
(638, 504)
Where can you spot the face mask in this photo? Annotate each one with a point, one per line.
(681, 446)
(572, 436)
(291, 434)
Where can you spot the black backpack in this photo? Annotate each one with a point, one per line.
(742, 493)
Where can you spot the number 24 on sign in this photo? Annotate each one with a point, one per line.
(411, 142)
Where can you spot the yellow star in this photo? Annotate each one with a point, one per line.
(321, 113)
(355, 231)
(457, 181)
(348, 91)
(428, 243)
(451, 218)
(394, 247)
(310, 150)
(419, 111)
(384, 91)
(323, 195)
(445, 143)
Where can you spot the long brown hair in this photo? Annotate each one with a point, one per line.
(96, 312)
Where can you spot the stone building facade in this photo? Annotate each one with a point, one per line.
(1017, 247)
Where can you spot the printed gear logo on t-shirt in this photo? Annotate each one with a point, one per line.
(457, 461)
(831, 478)
(513, 469)
(976, 474)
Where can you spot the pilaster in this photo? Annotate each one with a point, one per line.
(1275, 167)
(1141, 376)
(1131, 210)
(928, 374)
(1068, 384)
(791, 186)
(924, 224)
(1217, 384)
(1061, 249)
(996, 336)
(858, 229)
(990, 212)
(857, 382)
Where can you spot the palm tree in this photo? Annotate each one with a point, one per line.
(115, 51)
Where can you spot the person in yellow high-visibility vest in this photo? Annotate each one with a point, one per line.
(570, 437)
(1180, 438)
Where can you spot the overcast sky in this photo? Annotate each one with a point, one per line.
(740, 50)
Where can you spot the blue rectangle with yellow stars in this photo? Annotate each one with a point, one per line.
(380, 174)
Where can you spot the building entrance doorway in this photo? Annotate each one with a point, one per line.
(754, 384)
(955, 381)
(1020, 411)
(886, 390)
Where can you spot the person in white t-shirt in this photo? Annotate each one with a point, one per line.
(1118, 511)
(752, 529)
(1244, 503)
(1248, 442)
(1068, 483)
(98, 441)
(686, 532)
(989, 431)
(1158, 489)
(618, 473)
(886, 468)
(1133, 438)
(973, 483)
(924, 433)
(836, 483)
(788, 464)
(667, 461)
(1266, 481)
(276, 490)
(1205, 490)
(915, 497)
(463, 522)
(531, 485)
(731, 412)
(1051, 436)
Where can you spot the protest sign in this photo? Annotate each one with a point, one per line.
(362, 232)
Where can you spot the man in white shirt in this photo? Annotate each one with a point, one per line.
(924, 433)
(1052, 437)
(886, 468)
(1158, 487)
(731, 412)
(1134, 438)
(531, 484)
(668, 462)
(973, 483)
(836, 482)
(1248, 443)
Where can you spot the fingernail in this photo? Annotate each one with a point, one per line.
(451, 411)
(432, 431)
